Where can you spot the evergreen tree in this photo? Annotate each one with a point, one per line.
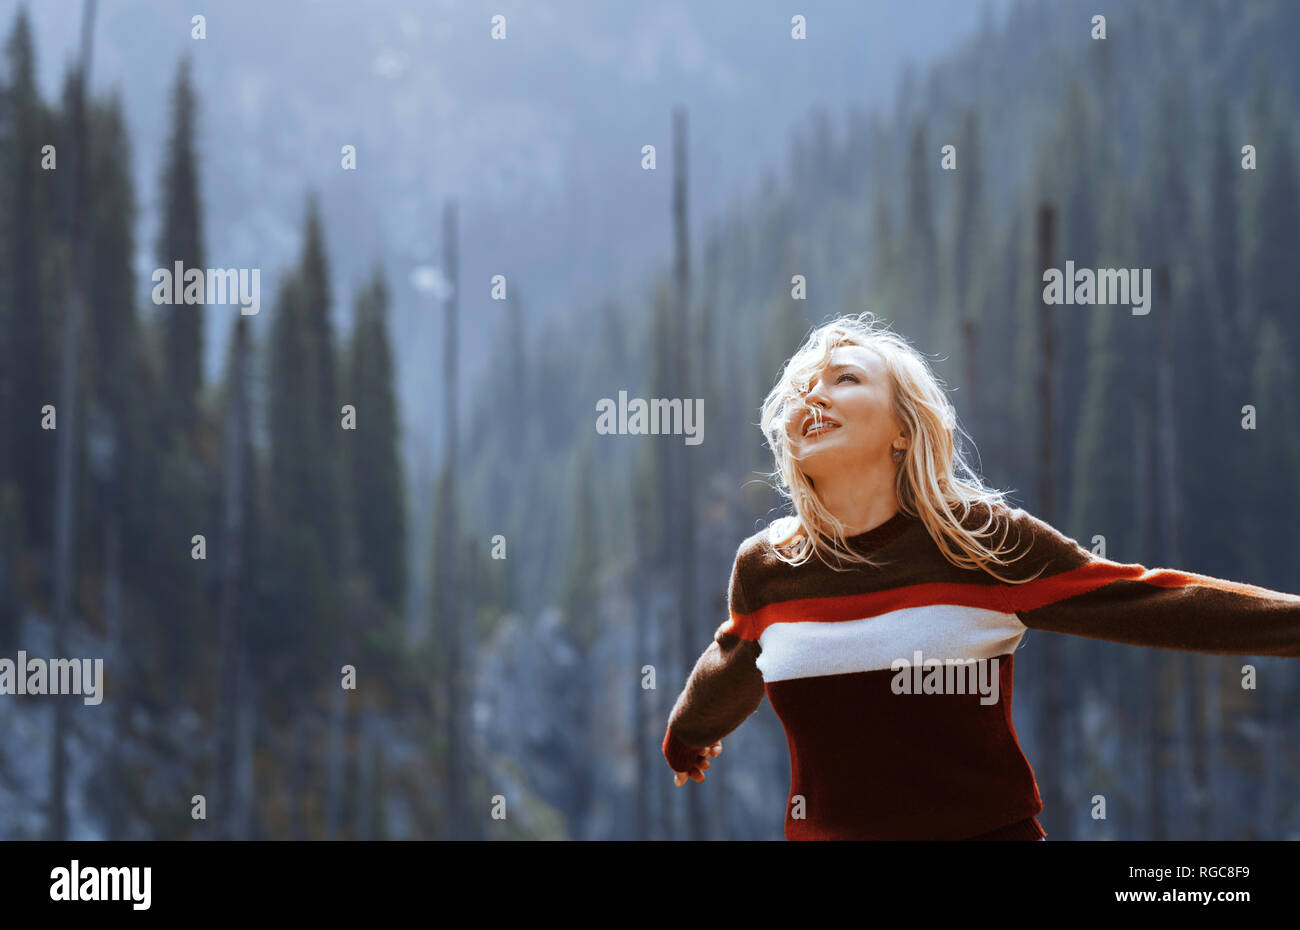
(324, 417)
(1068, 171)
(920, 259)
(1269, 476)
(884, 256)
(300, 583)
(181, 240)
(1227, 329)
(1224, 219)
(28, 374)
(377, 492)
(971, 218)
(1272, 235)
(1101, 500)
(112, 328)
(112, 528)
(239, 604)
(959, 304)
(661, 385)
(304, 585)
(583, 627)
(579, 598)
(173, 487)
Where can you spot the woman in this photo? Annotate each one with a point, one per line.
(881, 618)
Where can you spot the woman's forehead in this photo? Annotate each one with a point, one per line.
(865, 358)
(861, 356)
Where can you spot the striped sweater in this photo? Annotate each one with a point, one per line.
(884, 745)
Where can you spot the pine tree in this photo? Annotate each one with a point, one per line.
(112, 329)
(961, 312)
(28, 374)
(1225, 219)
(234, 577)
(299, 576)
(1068, 172)
(583, 628)
(921, 259)
(325, 487)
(971, 218)
(1272, 235)
(181, 240)
(115, 443)
(377, 492)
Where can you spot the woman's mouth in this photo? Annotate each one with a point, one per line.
(817, 427)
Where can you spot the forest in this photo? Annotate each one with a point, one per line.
(234, 548)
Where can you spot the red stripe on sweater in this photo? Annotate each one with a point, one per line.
(859, 606)
(1019, 597)
(1043, 591)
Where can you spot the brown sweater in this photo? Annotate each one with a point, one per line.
(883, 743)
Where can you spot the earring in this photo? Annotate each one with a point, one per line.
(898, 454)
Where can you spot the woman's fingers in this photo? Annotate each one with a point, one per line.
(679, 778)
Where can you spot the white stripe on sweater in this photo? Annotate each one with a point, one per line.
(805, 648)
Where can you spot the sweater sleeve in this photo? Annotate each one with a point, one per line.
(1080, 593)
(723, 689)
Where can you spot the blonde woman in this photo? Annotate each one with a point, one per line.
(881, 618)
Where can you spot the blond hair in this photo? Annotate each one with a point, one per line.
(933, 480)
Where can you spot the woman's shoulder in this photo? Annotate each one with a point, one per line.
(779, 532)
(1024, 538)
(984, 516)
(758, 550)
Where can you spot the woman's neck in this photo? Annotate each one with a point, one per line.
(860, 504)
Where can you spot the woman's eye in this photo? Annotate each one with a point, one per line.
(846, 375)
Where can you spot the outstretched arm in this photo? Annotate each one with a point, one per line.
(723, 689)
(1081, 593)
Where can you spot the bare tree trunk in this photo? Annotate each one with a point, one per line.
(640, 729)
(1157, 828)
(347, 653)
(707, 387)
(450, 532)
(662, 648)
(419, 605)
(336, 757)
(65, 468)
(684, 503)
(1190, 747)
(298, 768)
(969, 333)
(1271, 747)
(1052, 717)
(471, 825)
(1194, 745)
(376, 806)
(365, 770)
(261, 795)
(722, 776)
(1212, 819)
(113, 615)
(642, 618)
(245, 747)
(232, 578)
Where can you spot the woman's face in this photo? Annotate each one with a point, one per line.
(854, 396)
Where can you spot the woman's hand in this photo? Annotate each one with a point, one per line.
(679, 778)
